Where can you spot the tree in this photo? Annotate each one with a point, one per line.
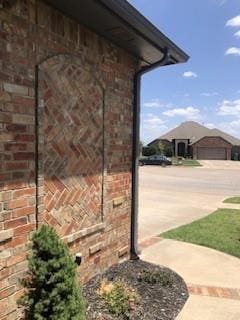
(52, 289)
(148, 151)
(161, 148)
(168, 151)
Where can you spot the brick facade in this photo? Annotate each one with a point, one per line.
(73, 171)
(212, 142)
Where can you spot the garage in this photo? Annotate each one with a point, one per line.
(212, 153)
(212, 148)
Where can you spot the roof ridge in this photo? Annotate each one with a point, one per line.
(194, 131)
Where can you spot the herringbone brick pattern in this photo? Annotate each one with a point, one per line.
(72, 149)
(69, 134)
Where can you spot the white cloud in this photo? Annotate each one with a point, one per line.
(152, 126)
(190, 113)
(229, 108)
(233, 51)
(209, 94)
(190, 74)
(234, 22)
(237, 34)
(152, 121)
(231, 127)
(235, 125)
(210, 125)
(154, 103)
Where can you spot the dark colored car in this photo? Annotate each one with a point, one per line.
(156, 159)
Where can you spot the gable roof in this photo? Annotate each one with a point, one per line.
(219, 137)
(119, 22)
(234, 141)
(187, 130)
(194, 132)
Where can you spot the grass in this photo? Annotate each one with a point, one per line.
(191, 163)
(220, 230)
(235, 200)
(185, 162)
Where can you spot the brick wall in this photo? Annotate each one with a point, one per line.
(212, 142)
(32, 34)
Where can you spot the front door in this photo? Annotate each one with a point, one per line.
(181, 149)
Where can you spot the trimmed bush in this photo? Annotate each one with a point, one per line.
(52, 289)
(156, 276)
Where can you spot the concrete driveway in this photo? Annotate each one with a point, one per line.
(173, 196)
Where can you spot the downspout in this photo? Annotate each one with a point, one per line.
(135, 151)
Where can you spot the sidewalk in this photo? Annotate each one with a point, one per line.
(212, 277)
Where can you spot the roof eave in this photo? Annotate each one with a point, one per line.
(122, 24)
(211, 137)
(142, 25)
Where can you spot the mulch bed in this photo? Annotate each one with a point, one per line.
(156, 302)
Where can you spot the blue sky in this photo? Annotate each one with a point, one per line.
(207, 88)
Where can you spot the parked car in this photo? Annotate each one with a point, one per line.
(156, 159)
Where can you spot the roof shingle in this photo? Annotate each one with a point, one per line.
(194, 132)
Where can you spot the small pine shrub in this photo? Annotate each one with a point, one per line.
(52, 289)
(119, 297)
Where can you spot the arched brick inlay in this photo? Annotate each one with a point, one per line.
(70, 178)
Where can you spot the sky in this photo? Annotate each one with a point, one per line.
(206, 89)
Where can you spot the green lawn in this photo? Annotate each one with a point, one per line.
(185, 162)
(220, 230)
(191, 163)
(235, 200)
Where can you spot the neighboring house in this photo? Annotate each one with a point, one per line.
(199, 142)
(69, 126)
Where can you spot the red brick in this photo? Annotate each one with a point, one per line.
(7, 292)
(15, 223)
(58, 184)
(69, 190)
(24, 138)
(17, 203)
(16, 259)
(17, 241)
(25, 229)
(23, 212)
(23, 156)
(16, 127)
(5, 176)
(4, 273)
(15, 185)
(28, 102)
(15, 147)
(48, 184)
(16, 165)
(225, 293)
(4, 308)
(24, 192)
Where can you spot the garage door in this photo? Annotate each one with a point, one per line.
(212, 153)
